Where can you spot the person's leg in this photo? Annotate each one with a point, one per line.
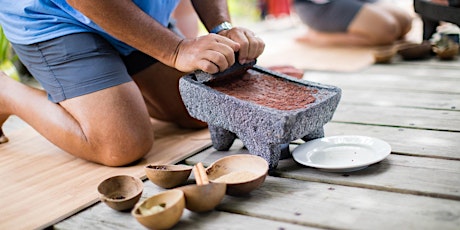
(109, 125)
(159, 85)
(375, 25)
(186, 19)
(402, 17)
(361, 24)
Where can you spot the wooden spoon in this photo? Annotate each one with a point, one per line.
(204, 196)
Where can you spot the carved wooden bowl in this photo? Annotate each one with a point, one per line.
(168, 176)
(160, 211)
(242, 173)
(121, 192)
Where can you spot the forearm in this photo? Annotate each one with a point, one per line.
(128, 23)
(212, 12)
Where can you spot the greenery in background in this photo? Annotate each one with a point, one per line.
(243, 12)
(246, 10)
(7, 57)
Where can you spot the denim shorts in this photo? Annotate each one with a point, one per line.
(79, 64)
(334, 16)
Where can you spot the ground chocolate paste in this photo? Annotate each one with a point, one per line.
(266, 90)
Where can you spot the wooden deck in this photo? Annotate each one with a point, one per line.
(414, 106)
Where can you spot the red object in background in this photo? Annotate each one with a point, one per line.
(288, 70)
(277, 8)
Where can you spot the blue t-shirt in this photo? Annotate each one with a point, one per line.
(31, 21)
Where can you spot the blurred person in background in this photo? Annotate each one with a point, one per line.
(352, 22)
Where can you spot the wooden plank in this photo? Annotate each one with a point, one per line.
(404, 82)
(431, 68)
(414, 142)
(103, 217)
(354, 200)
(386, 98)
(287, 203)
(399, 117)
(331, 58)
(42, 185)
(343, 207)
(432, 63)
(397, 173)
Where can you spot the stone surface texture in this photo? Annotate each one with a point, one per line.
(263, 130)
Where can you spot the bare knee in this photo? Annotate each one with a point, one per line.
(379, 26)
(125, 151)
(388, 33)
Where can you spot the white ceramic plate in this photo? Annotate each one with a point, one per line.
(341, 153)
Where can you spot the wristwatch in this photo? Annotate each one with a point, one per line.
(220, 27)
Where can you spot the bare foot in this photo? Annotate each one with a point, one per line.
(305, 38)
(3, 138)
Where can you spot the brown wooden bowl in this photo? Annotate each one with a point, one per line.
(121, 192)
(160, 211)
(448, 53)
(242, 173)
(415, 51)
(203, 198)
(168, 176)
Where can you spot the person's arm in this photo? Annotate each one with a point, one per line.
(214, 12)
(128, 23)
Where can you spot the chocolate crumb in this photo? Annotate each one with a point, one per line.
(157, 167)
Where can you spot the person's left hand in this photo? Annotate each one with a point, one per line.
(251, 46)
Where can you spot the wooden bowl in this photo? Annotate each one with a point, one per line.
(203, 198)
(448, 53)
(242, 173)
(121, 192)
(161, 211)
(168, 176)
(414, 51)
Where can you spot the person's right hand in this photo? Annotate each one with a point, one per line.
(211, 53)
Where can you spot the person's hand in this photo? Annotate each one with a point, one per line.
(251, 46)
(211, 53)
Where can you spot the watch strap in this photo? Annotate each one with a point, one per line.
(220, 27)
